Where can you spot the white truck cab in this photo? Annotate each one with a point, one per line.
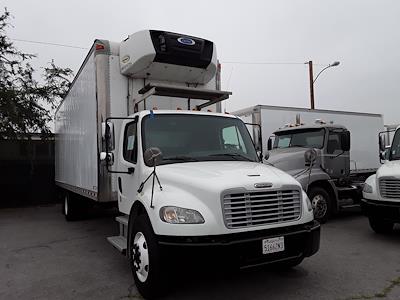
(381, 191)
(187, 179)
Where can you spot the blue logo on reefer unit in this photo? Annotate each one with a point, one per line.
(186, 41)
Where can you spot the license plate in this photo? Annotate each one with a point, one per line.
(273, 245)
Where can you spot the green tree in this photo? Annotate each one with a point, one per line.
(27, 105)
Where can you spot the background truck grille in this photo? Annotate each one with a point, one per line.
(261, 208)
(390, 187)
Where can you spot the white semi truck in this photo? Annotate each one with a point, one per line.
(335, 179)
(381, 193)
(141, 127)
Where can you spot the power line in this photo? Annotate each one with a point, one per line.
(224, 62)
(261, 63)
(47, 43)
(265, 63)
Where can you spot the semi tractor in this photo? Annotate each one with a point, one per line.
(381, 193)
(141, 127)
(334, 179)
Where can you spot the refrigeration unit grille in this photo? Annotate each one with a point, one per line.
(390, 188)
(261, 208)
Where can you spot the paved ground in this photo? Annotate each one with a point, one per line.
(44, 257)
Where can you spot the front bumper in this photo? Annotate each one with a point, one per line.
(245, 249)
(383, 210)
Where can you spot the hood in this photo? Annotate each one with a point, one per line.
(389, 169)
(221, 175)
(288, 159)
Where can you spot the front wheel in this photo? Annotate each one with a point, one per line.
(145, 258)
(321, 203)
(380, 226)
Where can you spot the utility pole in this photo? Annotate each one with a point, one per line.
(310, 71)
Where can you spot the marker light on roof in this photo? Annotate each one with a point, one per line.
(99, 47)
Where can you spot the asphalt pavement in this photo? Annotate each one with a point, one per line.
(44, 257)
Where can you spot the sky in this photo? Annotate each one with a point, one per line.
(262, 44)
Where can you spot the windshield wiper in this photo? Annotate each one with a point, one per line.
(301, 146)
(234, 155)
(180, 158)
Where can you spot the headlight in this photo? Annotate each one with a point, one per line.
(179, 215)
(367, 188)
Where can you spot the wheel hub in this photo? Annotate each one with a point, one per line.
(140, 257)
(320, 206)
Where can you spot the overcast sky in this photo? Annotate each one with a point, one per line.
(363, 35)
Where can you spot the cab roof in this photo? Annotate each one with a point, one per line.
(304, 127)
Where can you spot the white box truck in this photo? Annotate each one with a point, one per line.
(141, 127)
(381, 193)
(335, 179)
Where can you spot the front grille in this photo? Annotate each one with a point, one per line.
(260, 208)
(390, 188)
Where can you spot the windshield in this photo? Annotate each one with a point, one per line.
(395, 149)
(312, 138)
(185, 138)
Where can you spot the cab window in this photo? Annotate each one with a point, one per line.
(334, 146)
(130, 143)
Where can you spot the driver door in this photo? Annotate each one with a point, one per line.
(128, 183)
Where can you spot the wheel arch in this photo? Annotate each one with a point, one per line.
(137, 209)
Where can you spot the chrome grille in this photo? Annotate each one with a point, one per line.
(260, 208)
(390, 188)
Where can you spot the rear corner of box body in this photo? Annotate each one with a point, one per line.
(76, 156)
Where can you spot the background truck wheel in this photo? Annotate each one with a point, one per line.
(145, 259)
(321, 202)
(380, 226)
(73, 208)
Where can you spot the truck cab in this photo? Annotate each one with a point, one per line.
(381, 193)
(325, 177)
(186, 178)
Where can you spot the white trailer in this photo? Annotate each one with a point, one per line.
(364, 128)
(343, 143)
(140, 127)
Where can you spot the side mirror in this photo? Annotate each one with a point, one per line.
(152, 156)
(108, 157)
(266, 156)
(107, 133)
(269, 144)
(310, 156)
(345, 140)
(382, 144)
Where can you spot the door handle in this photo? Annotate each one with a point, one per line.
(120, 184)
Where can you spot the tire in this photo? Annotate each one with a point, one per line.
(145, 259)
(288, 264)
(380, 226)
(73, 207)
(321, 202)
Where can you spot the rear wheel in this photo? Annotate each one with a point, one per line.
(321, 203)
(145, 259)
(74, 207)
(380, 226)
